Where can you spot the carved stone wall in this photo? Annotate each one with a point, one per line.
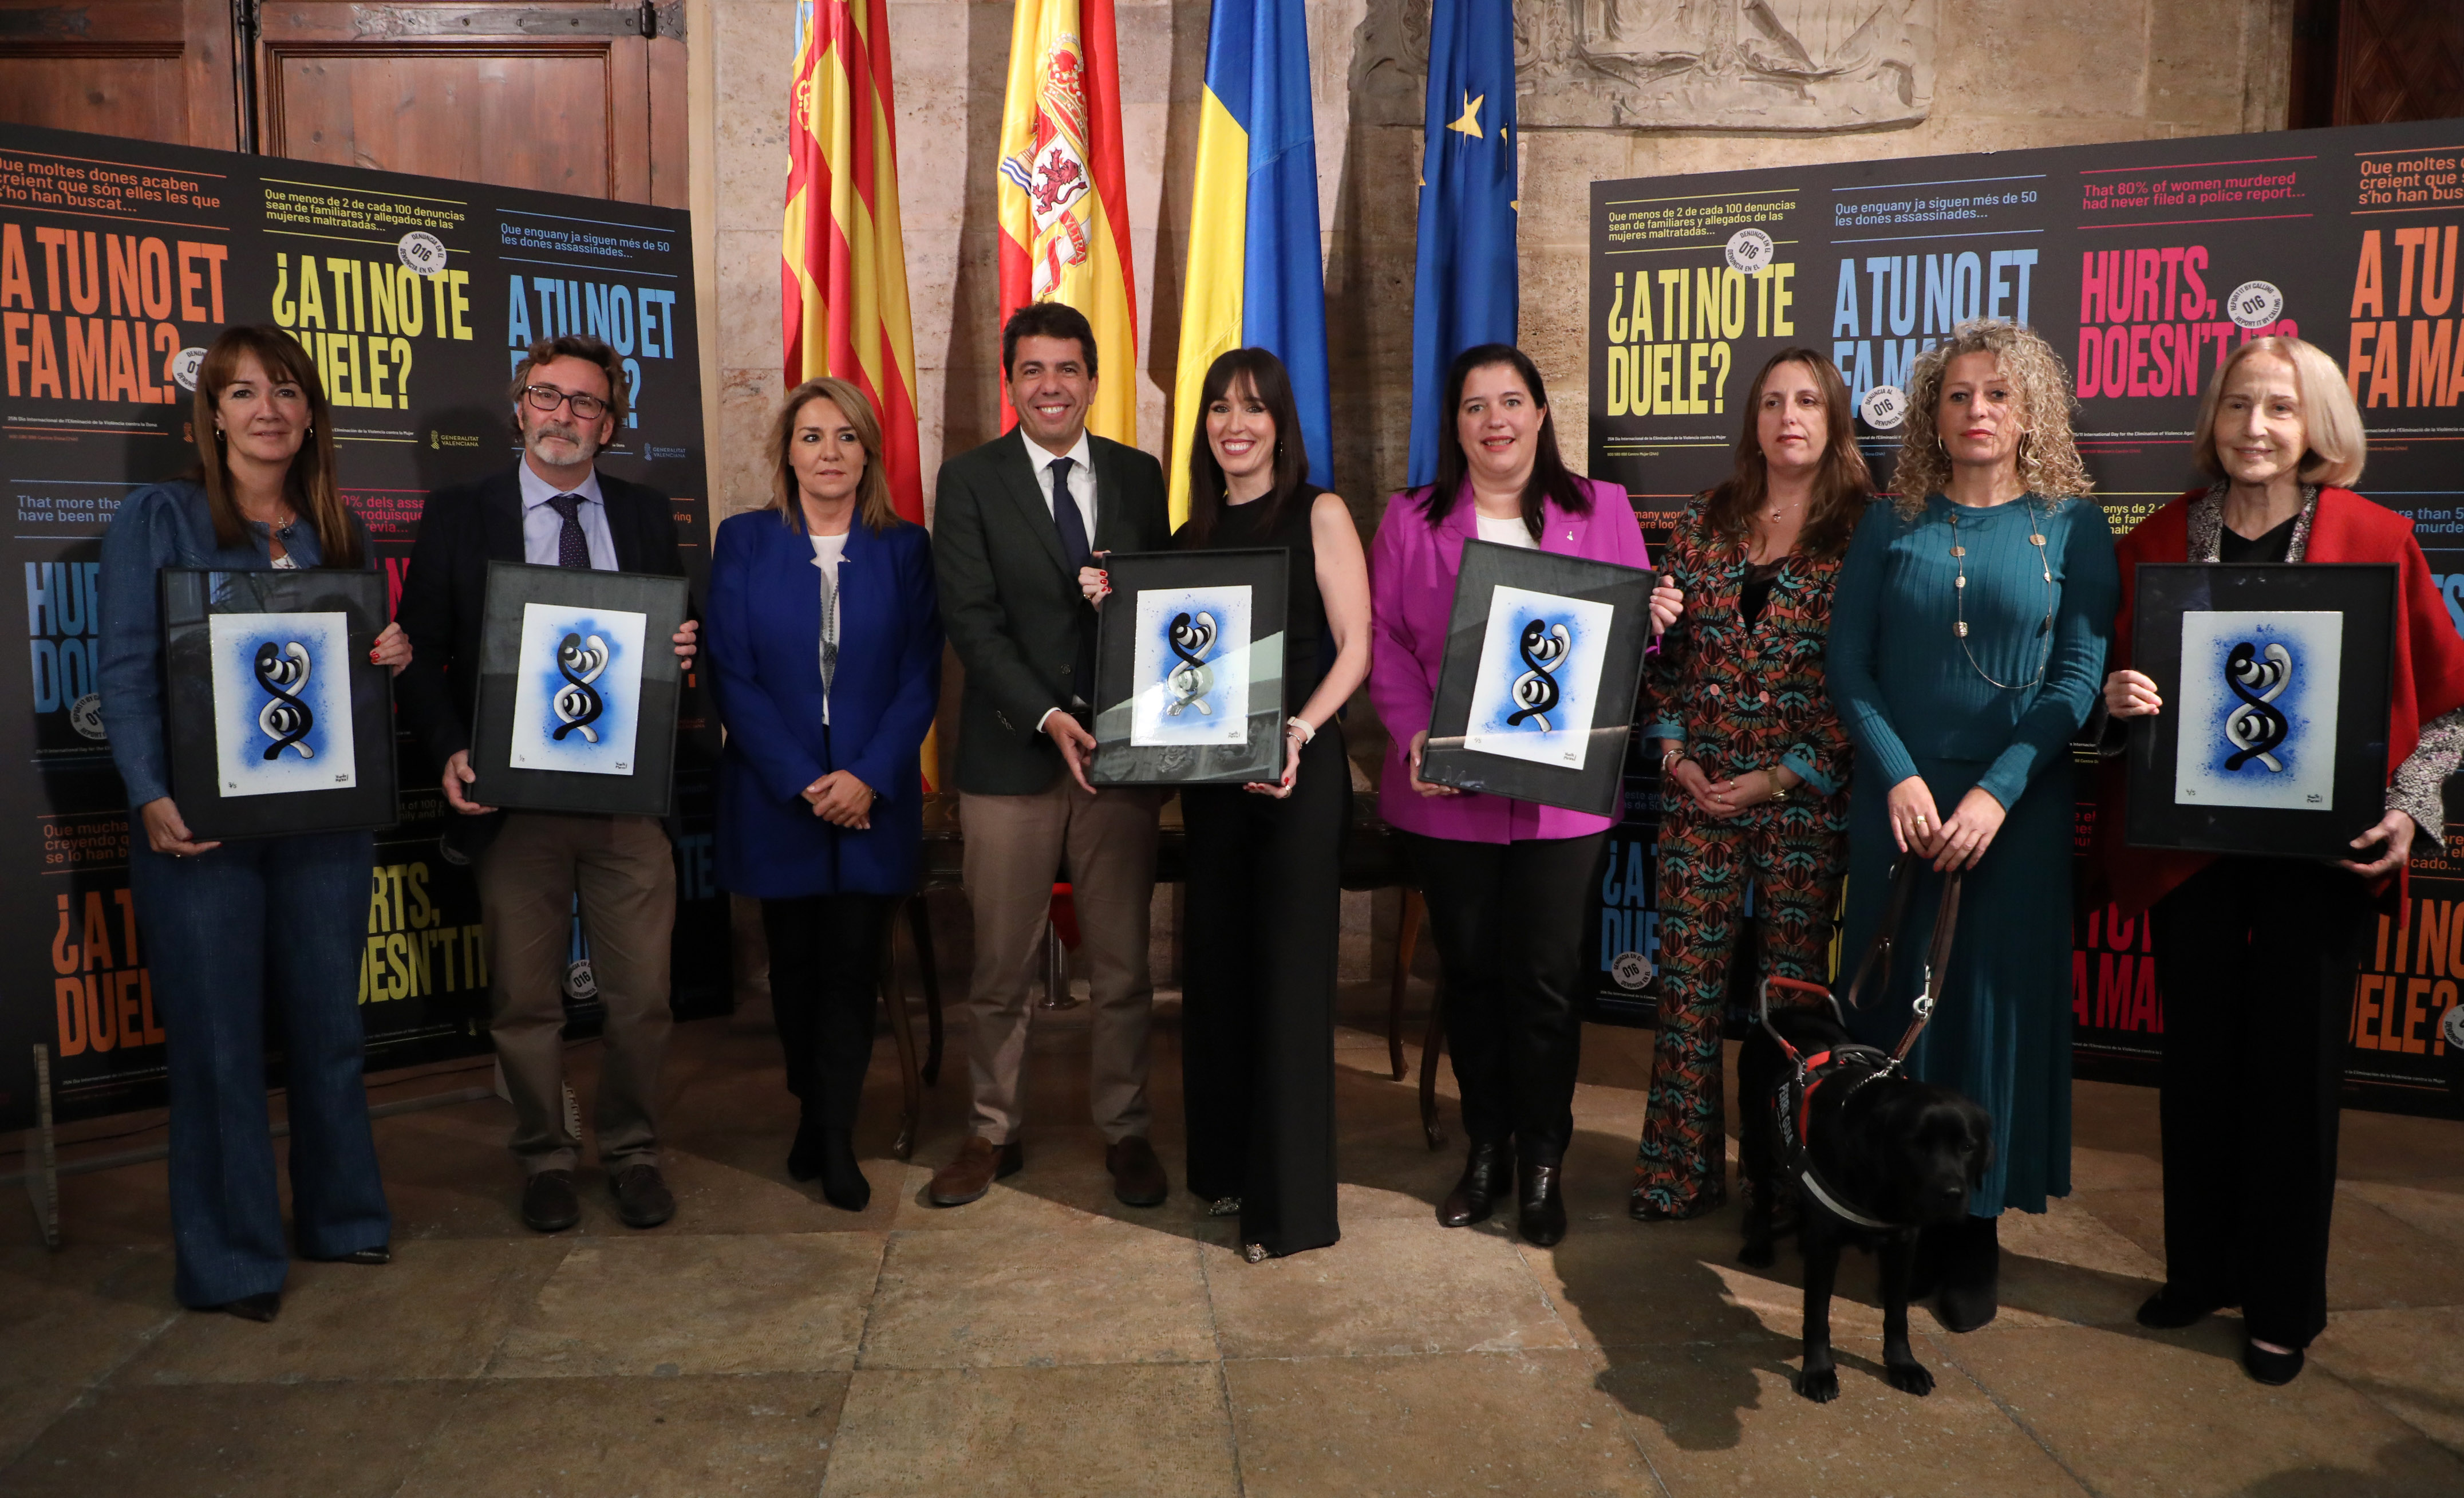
(1795, 65)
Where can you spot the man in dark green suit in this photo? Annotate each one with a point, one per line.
(1016, 523)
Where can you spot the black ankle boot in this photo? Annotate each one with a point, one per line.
(808, 1157)
(1484, 1178)
(843, 1182)
(1541, 1210)
(1971, 1275)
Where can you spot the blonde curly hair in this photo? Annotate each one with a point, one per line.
(2049, 465)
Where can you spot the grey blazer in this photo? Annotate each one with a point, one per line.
(1010, 603)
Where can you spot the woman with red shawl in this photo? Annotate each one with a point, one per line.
(2256, 956)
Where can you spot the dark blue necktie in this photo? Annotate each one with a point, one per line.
(1072, 525)
(1073, 546)
(572, 547)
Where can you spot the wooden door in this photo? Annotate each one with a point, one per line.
(160, 70)
(585, 97)
(579, 97)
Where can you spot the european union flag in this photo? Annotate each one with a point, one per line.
(1465, 290)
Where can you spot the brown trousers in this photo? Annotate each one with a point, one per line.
(1016, 848)
(624, 869)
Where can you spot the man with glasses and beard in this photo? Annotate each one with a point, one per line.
(553, 509)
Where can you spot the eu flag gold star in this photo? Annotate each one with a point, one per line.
(1470, 124)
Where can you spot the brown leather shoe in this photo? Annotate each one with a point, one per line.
(973, 1170)
(1137, 1176)
(642, 1196)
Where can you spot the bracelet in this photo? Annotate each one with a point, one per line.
(1298, 727)
(1669, 757)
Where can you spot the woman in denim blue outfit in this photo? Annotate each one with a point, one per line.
(230, 926)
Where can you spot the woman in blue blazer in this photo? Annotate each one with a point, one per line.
(824, 647)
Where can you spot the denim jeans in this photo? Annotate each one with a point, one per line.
(267, 920)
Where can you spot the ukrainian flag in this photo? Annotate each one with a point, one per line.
(1254, 275)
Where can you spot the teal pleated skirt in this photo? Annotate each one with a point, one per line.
(2001, 1030)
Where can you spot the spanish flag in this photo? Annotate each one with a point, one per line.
(1255, 277)
(1065, 219)
(842, 262)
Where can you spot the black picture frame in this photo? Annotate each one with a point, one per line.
(1458, 756)
(1134, 697)
(216, 806)
(645, 785)
(2173, 612)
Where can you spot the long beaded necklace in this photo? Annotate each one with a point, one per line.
(1959, 598)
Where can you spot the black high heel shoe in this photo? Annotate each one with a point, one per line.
(1475, 1194)
(843, 1182)
(253, 1308)
(1541, 1214)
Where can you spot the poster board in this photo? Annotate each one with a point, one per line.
(2143, 263)
(123, 261)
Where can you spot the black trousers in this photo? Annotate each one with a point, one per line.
(1509, 923)
(2256, 960)
(824, 980)
(1257, 1062)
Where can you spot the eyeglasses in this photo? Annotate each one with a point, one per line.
(548, 398)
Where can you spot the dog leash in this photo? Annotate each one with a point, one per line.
(1808, 1073)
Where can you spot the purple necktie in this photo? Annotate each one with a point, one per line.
(572, 547)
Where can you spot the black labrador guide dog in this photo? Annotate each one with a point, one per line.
(1871, 1154)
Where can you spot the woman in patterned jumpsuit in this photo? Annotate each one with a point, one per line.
(1753, 762)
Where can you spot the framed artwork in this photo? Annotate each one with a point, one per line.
(275, 662)
(1189, 669)
(1544, 656)
(578, 687)
(2273, 737)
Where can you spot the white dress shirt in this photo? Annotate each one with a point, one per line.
(829, 551)
(1509, 530)
(1082, 476)
(1082, 490)
(543, 526)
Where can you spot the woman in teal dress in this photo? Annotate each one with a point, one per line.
(1968, 642)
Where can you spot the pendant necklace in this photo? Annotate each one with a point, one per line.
(1959, 598)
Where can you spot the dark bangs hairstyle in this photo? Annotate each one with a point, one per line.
(1550, 477)
(308, 484)
(1264, 374)
(1843, 486)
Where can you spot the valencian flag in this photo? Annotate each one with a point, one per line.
(1254, 275)
(843, 263)
(1065, 220)
(1466, 289)
(843, 259)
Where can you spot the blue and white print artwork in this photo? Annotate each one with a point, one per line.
(2259, 710)
(578, 689)
(282, 703)
(1539, 677)
(1191, 668)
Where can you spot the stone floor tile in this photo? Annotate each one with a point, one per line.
(1633, 1282)
(438, 1312)
(2114, 1169)
(762, 1435)
(1130, 1430)
(2433, 1205)
(67, 1320)
(356, 1439)
(2066, 1265)
(1460, 1422)
(1100, 1292)
(1392, 1286)
(2397, 1146)
(2377, 1259)
(2411, 1363)
(1727, 1420)
(2173, 1414)
(677, 1303)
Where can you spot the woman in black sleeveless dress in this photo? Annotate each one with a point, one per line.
(1257, 1003)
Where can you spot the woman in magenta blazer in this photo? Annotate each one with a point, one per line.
(1506, 880)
